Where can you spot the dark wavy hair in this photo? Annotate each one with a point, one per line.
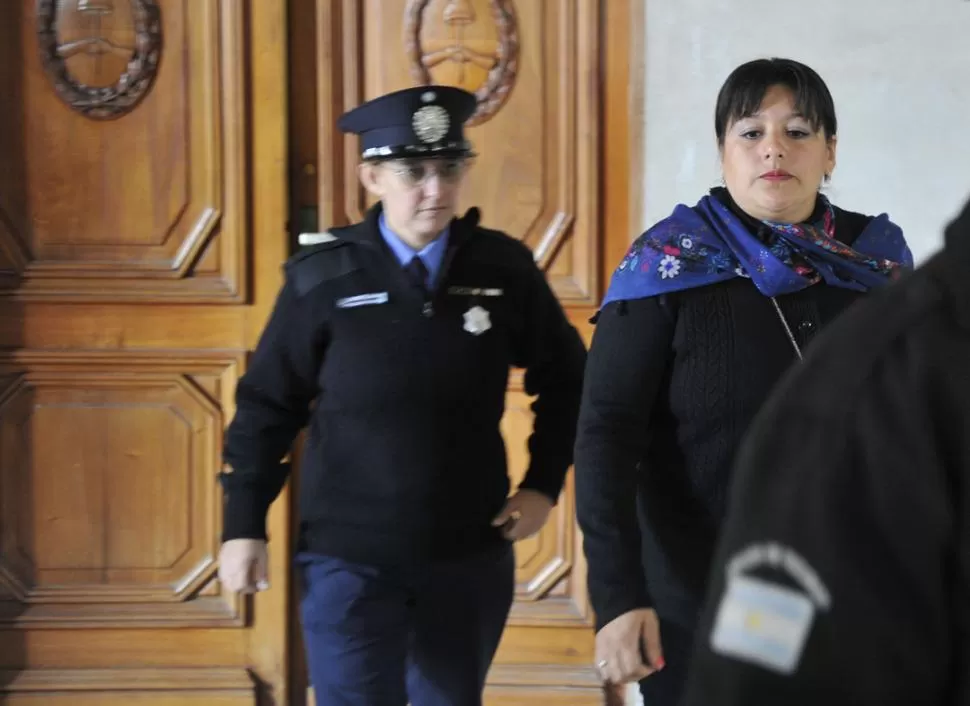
(745, 89)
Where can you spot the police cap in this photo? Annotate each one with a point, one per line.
(424, 121)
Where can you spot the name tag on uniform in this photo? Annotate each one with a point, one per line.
(762, 623)
(475, 291)
(362, 300)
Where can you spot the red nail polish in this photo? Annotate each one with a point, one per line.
(660, 663)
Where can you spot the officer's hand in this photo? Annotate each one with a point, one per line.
(524, 514)
(244, 565)
(619, 657)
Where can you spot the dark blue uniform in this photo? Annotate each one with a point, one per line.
(843, 573)
(407, 584)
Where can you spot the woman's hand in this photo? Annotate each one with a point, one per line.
(628, 647)
(524, 514)
(244, 565)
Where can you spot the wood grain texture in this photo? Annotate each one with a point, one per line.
(142, 258)
(118, 522)
(108, 687)
(536, 173)
(148, 206)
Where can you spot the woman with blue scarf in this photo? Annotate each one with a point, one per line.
(703, 316)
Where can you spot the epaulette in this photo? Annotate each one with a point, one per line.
(324, 257)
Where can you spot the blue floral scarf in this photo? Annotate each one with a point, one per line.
(708, 243)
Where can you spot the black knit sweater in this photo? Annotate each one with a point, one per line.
(672, 383)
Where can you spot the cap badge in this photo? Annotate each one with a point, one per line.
(430, 123)
(428, 96)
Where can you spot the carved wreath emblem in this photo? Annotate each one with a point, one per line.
(426, 49)
(138, 40)
(430, 123)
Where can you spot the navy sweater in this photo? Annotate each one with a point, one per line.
(403, 393)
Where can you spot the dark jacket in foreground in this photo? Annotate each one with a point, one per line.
(404, 459)
(843, 576)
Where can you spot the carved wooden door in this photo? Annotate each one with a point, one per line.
(138, 262)
(555, 81)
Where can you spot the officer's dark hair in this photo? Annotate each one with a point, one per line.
(745, 89)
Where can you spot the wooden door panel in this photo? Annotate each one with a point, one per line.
(145, 205)
(140, 252)
(536, 128)
(548, 589)
(117, 522)
(136, 273)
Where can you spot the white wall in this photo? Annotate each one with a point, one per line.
(899, 71)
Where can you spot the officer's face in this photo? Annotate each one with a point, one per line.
(775, 160)
(419, 196)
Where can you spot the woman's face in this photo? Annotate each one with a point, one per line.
(420, 196)
(774, 161)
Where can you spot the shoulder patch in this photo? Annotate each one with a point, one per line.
(306, 239)
(320, 263)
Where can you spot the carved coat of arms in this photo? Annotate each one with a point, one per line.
(466, 43)
(101, 55)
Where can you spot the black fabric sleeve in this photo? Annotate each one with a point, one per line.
(848, 478)
(627, 363)
(554, 356)
(272, 405)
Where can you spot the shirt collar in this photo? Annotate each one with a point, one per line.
(431, 254)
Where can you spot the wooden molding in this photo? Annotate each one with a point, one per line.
(54, 566)
(526, 684)
(150, 207)
(111, 687)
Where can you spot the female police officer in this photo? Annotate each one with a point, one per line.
(392, 341)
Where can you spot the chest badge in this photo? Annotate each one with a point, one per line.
(477, 321)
